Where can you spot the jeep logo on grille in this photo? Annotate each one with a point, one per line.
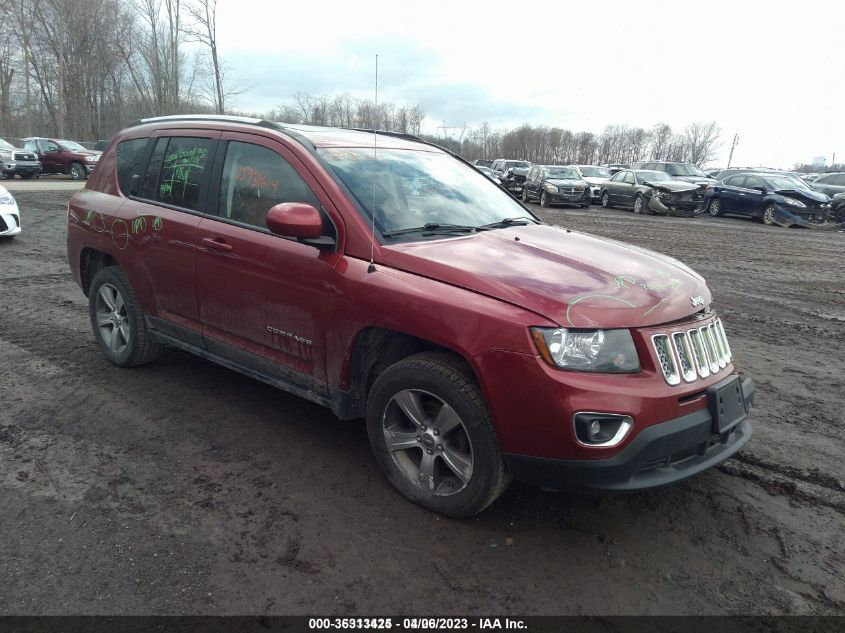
(697, 301)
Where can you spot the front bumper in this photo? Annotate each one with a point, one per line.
(581, 197)
(89, 167)
(681, 209)
(659, 455)
(822, 219)
(10, 220)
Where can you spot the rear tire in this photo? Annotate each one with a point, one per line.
(444, 455)
(118, 321)
(605, 200)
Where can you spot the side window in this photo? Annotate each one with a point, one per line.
(130, 154)
(617, 176)
(31, 146)
(49, 146)
(629, 178)
(181, 171)
(839, 180)
(825, 180)
(735, 181)
(751, 182)
(256, 178)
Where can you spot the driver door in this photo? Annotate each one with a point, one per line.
(262, 297)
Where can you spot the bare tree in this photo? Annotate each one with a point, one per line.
(702, 142)
(204, 31)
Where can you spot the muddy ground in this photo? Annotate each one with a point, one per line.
(183, 488)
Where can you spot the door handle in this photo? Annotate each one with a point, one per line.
(218, 244)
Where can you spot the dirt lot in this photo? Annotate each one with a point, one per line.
(182, 487)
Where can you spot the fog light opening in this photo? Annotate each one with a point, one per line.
(601, 429)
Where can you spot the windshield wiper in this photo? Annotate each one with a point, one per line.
(434, 227)
(504, 222)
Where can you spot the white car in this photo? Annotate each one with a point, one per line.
(10, 216)
(596, 176)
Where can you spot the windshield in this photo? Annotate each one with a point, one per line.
(415, 188)
(519, 164)
(71, 146)
(784, 182)
(5, 145)
(594, 172)
(570, 174)
(683, 169)
(652, 176)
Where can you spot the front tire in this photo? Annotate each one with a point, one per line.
(605, 200)
(544, 200)
(639, 204)
(77, 171)
(714, 207)
(118, 321)
(525, 198)
(769, 215)
(430, 433)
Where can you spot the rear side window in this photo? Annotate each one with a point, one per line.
(130, 156)
(839, 180)
(256, 178)
(181, 172)
(735, 181)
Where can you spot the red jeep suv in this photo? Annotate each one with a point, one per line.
(387, 279)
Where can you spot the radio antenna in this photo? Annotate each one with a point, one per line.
(372, 267)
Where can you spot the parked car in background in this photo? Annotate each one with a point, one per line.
(837, 208)
(679, 171)
(10, 215)
(595, 176)
(614, 167)
(478, 343)
(17, 162)
(830, 184)
(712, 173)
(512, 174)
(651, 191)
(489, 173)
(810, 177)
(481, 162)
(60, 156)
(553, 184)
(771, 198)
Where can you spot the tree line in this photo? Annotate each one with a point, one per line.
(84, 69)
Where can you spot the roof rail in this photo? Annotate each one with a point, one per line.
(205, 117)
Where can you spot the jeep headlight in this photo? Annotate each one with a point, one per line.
(550, 188)
(792, 202)
(604, 351)
(91, 159)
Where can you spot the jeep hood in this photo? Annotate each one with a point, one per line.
(571, 278)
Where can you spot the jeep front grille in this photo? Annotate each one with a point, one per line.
(695, 353)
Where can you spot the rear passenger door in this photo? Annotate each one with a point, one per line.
(262, 297)
(167, 191)
(730, 193)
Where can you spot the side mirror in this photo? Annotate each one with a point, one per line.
(760, 188)
(295, 219)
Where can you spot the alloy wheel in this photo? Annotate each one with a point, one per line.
(428, 442)
(769, 215)
(112, 319)
(605, 200)
(715, 207)
(638, 205)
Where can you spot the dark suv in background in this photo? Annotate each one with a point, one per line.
(60, 156)
(679, 171)
(553, 184)
(512, 174)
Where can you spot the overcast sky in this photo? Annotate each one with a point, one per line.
(773, 72)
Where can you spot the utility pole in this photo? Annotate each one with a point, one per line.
(734, 144)
(833, 162)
